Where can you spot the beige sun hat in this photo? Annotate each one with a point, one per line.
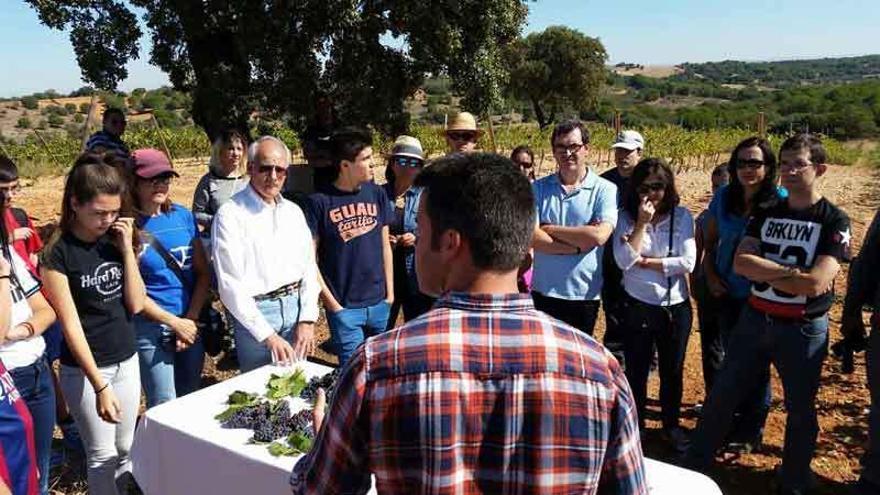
(464, 121)
(408, 146)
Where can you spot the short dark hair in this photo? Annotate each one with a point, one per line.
(110, 111)
(522, 149)
(347, 143)
(809, 142)
(486, 199)
(735, 197)
(641, 172)
(567, 126)
(8, 170)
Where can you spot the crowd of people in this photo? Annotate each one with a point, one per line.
(493, 383)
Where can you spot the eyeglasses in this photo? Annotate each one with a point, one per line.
(408, 161)
(11, 190)
(268, 169)
(752, 163)
(524, 164)
(568, 150)
(796, 166)
(651, 187)
(462, 136)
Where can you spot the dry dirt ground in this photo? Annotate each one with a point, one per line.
(842, 401)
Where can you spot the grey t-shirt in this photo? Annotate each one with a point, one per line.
(211, 192)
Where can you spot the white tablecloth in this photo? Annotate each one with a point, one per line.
(179, 448)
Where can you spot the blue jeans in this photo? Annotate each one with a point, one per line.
(751, 414)
(165, 373)
(351, 326)
(797, 350)
(34, 383)
(282, 314)
(871, 459)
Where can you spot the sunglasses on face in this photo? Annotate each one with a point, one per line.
(408, 162)
(651, 187)
(752, 164)
(526, 165)
(10, 190)
(267, 170)
(462, 136)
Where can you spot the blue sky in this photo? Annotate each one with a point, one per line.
(35, 58)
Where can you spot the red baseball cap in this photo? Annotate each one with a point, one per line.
(150, 162)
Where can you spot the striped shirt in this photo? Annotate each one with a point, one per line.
(104, 141)
(18, 456)
(483, 394)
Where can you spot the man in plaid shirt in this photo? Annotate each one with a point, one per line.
(483, 394)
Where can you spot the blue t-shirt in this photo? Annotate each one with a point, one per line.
(405, 221)
(574, 276)
(176, 231)
(348, 227)
(731, 229)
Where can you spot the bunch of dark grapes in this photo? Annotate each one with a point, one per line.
(268, 421)
(301, 422)
(247, 416)
(327, 382)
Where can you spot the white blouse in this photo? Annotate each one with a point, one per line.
(648, 285)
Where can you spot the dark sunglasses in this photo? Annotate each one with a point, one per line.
(267, 170)
(524, 164)
(462, 136)
(651, 187)
(408, 162)
(753, 164)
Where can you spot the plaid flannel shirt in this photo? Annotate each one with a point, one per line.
(483, 394)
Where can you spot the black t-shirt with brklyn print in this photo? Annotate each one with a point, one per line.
(797, 238)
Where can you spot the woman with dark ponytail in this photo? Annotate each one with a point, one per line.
(92, 280)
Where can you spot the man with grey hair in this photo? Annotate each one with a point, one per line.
(265, 264)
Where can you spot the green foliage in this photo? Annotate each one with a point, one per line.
(29, 102)
(113, 100)
(55, 120)
(23, 123)
(79, 118)
(235, 58)
(84, 108)
(70, 108)
(287, 385)
(786, 73)
(557, 69)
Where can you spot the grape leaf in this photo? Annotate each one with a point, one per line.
(278, 449)
(239, 397)
(288, 385)
(300, 442)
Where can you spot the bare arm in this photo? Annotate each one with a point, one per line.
(585, 237)
(813, 283)
(134, 293)
(388, 261)
(42, 315)
(542, 242)
(330, 302)
(58, 292)
(749, 263)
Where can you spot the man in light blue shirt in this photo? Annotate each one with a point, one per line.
(576, 212)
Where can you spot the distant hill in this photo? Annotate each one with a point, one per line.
(785, 73)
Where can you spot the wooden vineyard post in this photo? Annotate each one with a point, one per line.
(48, 150)
(88, 123)
(762, 125)
(491, 133)
(617, 124)
(161, 137)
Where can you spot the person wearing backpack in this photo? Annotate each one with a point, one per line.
(175, 272)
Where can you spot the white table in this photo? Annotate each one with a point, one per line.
(179, 448)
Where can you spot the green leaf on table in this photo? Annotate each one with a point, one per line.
(300, 442)
(287, 385)
(241, 398)
(278, 449)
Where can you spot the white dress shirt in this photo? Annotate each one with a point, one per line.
(646, 284)
(259, 248)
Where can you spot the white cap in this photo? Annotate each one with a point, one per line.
(629, 140)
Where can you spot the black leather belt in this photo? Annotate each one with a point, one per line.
(283, 291)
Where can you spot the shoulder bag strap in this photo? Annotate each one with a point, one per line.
(167, 257)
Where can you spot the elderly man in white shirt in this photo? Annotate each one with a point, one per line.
(265, 264)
